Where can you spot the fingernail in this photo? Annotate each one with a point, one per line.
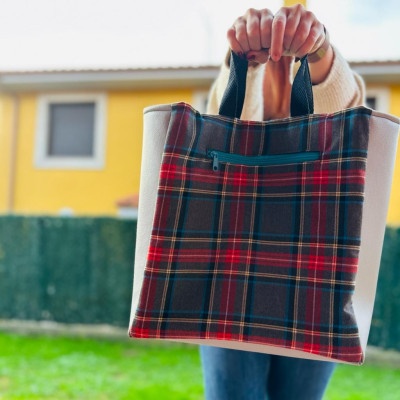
(251, 58)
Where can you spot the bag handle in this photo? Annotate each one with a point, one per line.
(301, 101)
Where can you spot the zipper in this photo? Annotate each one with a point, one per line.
(273, 159)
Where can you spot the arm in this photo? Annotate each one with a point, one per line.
(335, 85)
(341, 87)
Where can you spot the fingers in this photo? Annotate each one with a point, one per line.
(319, 33)
(313, 41)
(241, 34)
(292, 31)
(296, 32)
(301, 34)
(292, 22)
(260, 57)
(253, 29)
(246, 34)
(266, 28)
(233, 42)
(277, 34)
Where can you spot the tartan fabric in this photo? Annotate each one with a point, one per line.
(258, 254)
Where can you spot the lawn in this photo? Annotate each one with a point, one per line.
(40, 367)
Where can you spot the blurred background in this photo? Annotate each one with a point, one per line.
(74, 79)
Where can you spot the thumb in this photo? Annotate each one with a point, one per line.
(260, 56)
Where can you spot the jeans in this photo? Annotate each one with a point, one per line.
(243, 375)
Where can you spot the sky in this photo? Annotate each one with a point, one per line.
(74, 34)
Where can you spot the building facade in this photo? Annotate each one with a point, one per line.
(70, 141)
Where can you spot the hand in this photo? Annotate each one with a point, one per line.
(292, 31)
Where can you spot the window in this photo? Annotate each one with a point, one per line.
(70, 131)
(371, 102)
(378, 98)
(200, 98)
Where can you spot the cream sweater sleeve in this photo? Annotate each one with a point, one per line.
(342, 88)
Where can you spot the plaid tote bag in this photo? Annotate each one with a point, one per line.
(262, 236)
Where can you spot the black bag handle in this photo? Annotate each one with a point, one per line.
(301, 101)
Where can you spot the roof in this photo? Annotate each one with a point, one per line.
(378, 71)
(374, 63)
(109, 78)
(116, 69)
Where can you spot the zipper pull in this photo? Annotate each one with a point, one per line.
(215, 165)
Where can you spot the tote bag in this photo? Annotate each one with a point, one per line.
(262, 236)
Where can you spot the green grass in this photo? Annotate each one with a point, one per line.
(365, 382)
(65, 368)
(39, 367)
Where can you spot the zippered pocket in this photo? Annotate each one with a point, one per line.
(273, 159)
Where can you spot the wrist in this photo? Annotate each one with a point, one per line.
(320, 69)
(321, 51)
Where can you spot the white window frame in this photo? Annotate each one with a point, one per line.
(200, 97)
(43, 160)
(382, 96)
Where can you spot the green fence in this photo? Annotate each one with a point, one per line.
(76, 270)
(385, 325)
(80, 270)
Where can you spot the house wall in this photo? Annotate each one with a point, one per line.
(6, 115)
(87, 192)
(394, 205)
(288, 3)
(94, 192)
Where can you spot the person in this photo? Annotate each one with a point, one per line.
(272, 43)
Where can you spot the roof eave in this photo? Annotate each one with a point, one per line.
(378, 73)
(138, 79)
(152, 79)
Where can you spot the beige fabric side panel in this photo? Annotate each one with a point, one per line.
(381, 158)
(155, 126)
(379, 175)
(157, 107)
(385, 115)
(258, 348)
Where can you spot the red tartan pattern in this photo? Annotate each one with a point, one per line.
(258, 254)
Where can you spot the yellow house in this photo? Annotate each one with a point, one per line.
(382, 80)
(70, 140)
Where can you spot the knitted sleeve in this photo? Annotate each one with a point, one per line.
(342, 88)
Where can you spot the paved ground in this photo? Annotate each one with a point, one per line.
(375, 355)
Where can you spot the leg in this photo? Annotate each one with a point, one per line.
(234, 374)
(298, 379)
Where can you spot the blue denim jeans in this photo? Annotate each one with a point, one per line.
(243, 375)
